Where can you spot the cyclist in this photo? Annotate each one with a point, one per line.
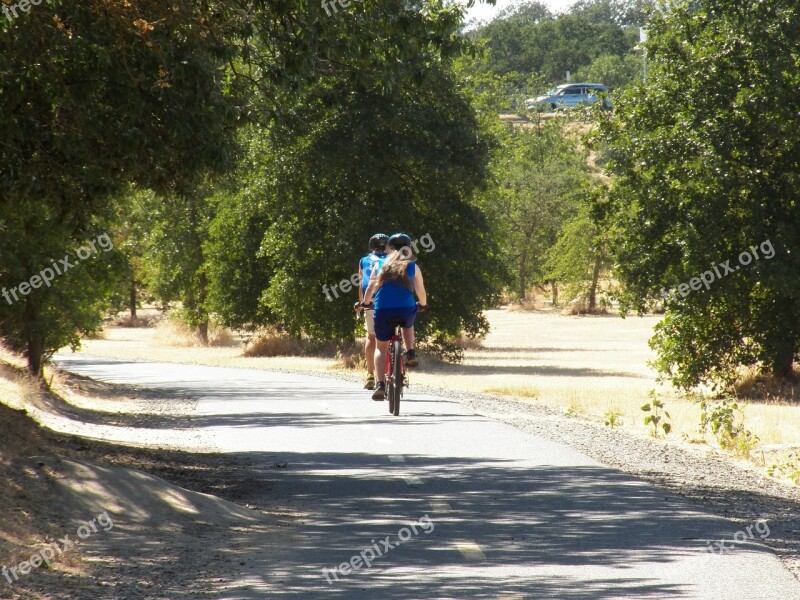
(393, 286)
(366, 266)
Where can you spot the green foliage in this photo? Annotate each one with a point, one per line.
(540, 176)
(413, 161)
(529, 40)
(657, 417)
(726, 420)
(580, 255)
(56, 315)
(174, 251)
(96, 96)
(613, 418)
(92, 97)
(706, 158)
(238, 271)
(612, 70)
(789, 469)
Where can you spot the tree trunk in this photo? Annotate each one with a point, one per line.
(523, 276)
(782, 362)
(202, 332)
(34, 354)
(598, 263)
(34, 351)
(132, 299)
(554, 283)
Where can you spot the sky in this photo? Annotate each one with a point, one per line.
(482, 11)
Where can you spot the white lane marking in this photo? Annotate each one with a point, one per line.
(397, 458)
(470, 551)
(512, 596)
(383, 440)
(413, 480)
(441, 507)
(366, 426)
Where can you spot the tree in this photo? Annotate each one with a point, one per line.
(706, 161)
(50, 296)
(97, 95)
(581, 254)
(613, 71)
(177, 230)
(541, 174)
(412, 162)
(528, 40)
(94, 96)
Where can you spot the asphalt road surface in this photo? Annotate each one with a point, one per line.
(443, 503)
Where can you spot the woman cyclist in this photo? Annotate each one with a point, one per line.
(393, 286)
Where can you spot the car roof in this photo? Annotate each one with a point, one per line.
(596, 85)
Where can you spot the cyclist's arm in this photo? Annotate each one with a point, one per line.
(360, 289)
(419, 288)
(371, 288)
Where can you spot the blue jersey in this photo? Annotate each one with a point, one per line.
(370, 263)
(395, 294)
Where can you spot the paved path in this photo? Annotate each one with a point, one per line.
(484, 510)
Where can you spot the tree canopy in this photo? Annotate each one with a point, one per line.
(413, 160)
(96, 95)
(528, 39)
(706, 165)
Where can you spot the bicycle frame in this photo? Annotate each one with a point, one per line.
(394, 385)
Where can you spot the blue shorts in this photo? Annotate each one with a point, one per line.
(384, 331)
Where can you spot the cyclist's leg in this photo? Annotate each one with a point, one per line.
(381, 356)
(369, 349)
(383, 333)
(408, 338)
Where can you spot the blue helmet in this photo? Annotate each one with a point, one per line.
(399, 240)
(378, 241)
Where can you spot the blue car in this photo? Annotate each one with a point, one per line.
(569, 95)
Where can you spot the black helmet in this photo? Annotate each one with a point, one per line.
(399, 240)
(378, 241)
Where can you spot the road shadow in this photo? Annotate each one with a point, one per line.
(545, 532)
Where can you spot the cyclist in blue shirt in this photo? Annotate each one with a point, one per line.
(393, 287)
(366, 267)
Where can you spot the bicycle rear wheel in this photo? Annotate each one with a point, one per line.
(390, 395)
(397, 375)
(389, 380)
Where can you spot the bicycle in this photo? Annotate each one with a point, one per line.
(395, 367)
(395, 362)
